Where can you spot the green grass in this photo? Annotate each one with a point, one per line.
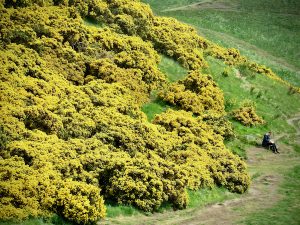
(173, 72)
(291, 141)
(28, 222)
(285, 211)
(271, 26)
(203, 197)
(271, 98)
(121, 210)
(172, 69)
(161, 5)
(92, 23)
(157, 106)
(54, 220)
(238, 147)
(197, 199)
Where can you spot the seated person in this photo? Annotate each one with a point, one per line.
(267, 141)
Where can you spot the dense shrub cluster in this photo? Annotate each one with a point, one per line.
(202, 152)
(169, 36)
(72, 132)
(247, 116)
(196, 93)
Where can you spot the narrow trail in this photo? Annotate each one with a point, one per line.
(295, 122)
(220, 5)
(266, 170)
(206, 4)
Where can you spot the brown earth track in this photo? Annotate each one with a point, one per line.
(209, 4)
(220, 5)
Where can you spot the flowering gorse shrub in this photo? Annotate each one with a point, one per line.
(197, 93)
(72, 130)
(247, 116)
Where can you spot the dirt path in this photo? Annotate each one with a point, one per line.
(267, 171)
(295, 122)
(221, 5)
(206, 4)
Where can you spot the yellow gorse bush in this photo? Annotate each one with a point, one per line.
(72, 130)
(202, 152)
(247, 116)
(196, 93)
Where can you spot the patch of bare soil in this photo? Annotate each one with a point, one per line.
(210, 4)
(221, 5)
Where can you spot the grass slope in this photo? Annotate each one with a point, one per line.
(173, 72)
(270, 26)
(268, 33)
(285, 211)
(273, 100)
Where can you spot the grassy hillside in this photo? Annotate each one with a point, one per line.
(107, 108)
(266, 31)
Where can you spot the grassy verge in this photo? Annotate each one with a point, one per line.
(171, 69)
(203, 197)
(173, 72)
(154, 107)
(54, 220)
(158, 6)
(93, 23)
(199, 198)
(285, 211)
(114, 211)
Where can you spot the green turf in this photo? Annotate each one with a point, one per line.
(54, 220)
(203, 197)
(265, 31)
(93, 23)
(113, 211)
(161, 5)
(197, 198)
(272, 100)
(173, 72)
(154, 108)
(172, 69)
(285, 211)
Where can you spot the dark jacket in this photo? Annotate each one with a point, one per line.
(266, 140)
